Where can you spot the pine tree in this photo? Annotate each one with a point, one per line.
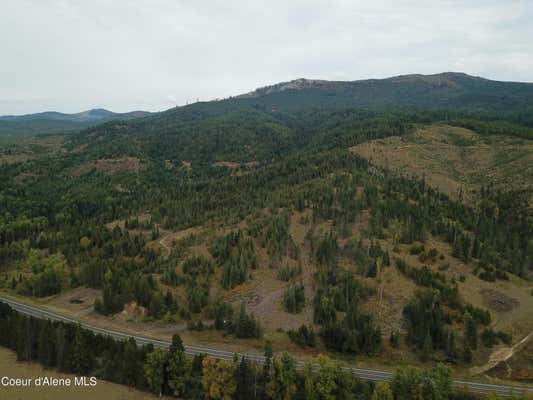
(386, 258)
(394, 339)
(470, 330)
(179, 368)
(458, 249)
(177, 344)
(61, 348)
(266, 372)
(427, 347)
(46, 344)
(132, 364)
(82, 357)
(26, 340)
(372, 270)
(467, 353)
(451, 347)
(156, 305)
(246, 381)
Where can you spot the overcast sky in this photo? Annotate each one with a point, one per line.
(71, 55)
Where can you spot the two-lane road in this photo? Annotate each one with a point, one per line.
(366, 374)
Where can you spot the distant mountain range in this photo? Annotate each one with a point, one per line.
(56, 122)
(451, 91)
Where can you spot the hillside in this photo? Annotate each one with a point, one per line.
(457, 161)
(275, 121)
(312, 214)
(53, 122)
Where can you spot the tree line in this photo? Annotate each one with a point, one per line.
(70, 348)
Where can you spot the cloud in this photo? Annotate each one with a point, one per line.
(124, 55)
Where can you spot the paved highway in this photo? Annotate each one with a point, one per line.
(366, 374)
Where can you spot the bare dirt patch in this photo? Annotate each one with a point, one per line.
(168, 239)
(142, 218)
(235, 167)
(15, 158)
(132, 311)
(169, 164)
(77, 301)
(263, 296)
(503, 355)
(109, 166)
(227, 164)
(498, 301)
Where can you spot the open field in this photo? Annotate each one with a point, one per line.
(10, 367)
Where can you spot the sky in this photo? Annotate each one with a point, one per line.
(123, 55)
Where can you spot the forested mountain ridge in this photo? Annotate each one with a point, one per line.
(274, 121)
(56, 122)
(438, 91)
(259, 217)
(94, 114)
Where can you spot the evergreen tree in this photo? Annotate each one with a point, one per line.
(177, 344)
(470, 330)
(82, 358)
(427, 347)
(26, 341)
(246, 381)
(179, 369)
(132, 364)
(451, 346)
(467, 353)
(394, 339)
(46, 345)
(61, 348)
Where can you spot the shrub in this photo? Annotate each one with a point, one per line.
(294, 299)
(304, 336)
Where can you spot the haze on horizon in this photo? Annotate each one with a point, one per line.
(123, 55)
